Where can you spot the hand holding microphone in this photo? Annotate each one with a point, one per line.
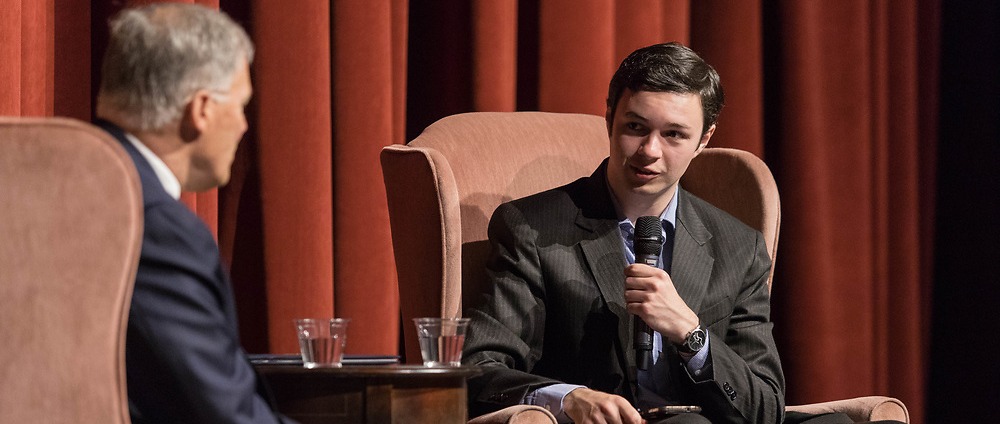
(648, 243)
(651, 296)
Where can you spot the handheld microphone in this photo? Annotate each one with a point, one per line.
(647, 242)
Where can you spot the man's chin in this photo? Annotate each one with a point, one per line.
(650, 189)
(207, 183)
(222, 181)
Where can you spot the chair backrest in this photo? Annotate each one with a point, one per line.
(443, 186)
(70, 233)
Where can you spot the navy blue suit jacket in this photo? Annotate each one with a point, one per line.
(183, 358)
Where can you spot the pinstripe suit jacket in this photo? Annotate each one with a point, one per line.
(556, 310)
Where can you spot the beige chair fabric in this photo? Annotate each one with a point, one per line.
(70, 234)
(867, 408)
(520, 414)
(443, 186)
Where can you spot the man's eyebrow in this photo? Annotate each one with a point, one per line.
(633, 115)
(679, 126)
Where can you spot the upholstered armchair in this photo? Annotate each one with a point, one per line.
(443, 186)
(70, 233)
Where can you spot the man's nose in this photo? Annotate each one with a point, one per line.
(651, 146)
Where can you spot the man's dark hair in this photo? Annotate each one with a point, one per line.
(669, 67)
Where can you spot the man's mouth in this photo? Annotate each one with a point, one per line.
(643, 171)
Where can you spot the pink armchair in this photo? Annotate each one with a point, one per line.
(444, 185)
(70, 232)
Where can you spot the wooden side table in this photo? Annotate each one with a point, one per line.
(370, 394)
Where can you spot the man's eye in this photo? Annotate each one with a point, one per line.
(634, 126)
(674, 134)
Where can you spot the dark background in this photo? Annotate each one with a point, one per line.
(964, 371)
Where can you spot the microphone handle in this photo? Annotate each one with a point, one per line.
(643, 335)
(643, 345)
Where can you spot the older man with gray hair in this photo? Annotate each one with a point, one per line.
(175, 82)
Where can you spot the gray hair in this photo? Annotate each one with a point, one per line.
(158, 56)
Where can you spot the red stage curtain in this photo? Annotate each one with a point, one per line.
(839, 98)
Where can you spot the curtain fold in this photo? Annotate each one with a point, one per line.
(294, 133)
(72, 60)
(37, 78)
(576, 55)
(10, 58)
(843, 128)
(363, 95)
(494, 61)
(905, 348)
(728, 35)
(839, 98)
(827, 288)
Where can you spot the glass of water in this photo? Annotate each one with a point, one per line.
(441, 340)
(322, 341)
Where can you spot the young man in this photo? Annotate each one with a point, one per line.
(175, 81)
(556, 330)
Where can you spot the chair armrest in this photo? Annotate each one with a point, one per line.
(867, 408)
(517, 414)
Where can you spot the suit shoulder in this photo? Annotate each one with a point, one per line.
(549, 203)
(718, 219)
(174, 231)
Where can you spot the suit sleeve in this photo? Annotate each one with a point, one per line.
(507, 327)
(184, 360)
(746, 384)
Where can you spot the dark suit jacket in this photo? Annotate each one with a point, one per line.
(556, 312)
(183, 358)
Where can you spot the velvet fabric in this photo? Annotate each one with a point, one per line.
(839, 98)
(71, 225)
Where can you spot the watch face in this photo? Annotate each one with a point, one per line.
(696, 340)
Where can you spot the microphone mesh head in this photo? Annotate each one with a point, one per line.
(648, 236)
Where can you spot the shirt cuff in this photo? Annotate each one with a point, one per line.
(551, 398)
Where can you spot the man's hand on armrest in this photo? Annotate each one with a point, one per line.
(586, 406)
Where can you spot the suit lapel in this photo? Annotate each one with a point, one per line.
(606, 261)
(602, 251)
(692, 262)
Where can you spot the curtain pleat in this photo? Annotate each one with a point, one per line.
(293, 133)
(839, 98)
(905, 348)
(37, 59)
(363, 109)
(72, 59)
(10, 57)
(639, 23)
(400, 26)
(824, 283)
(728, 36)
(576, 55)
(494, 60)
(846, 155)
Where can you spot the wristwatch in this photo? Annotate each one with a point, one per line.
(693, 342)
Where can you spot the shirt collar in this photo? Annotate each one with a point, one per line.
(669, 214)
(167, 178)
(667, 219)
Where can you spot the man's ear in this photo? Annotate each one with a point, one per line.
(704, 139)
(607, 119)
(196, 115)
